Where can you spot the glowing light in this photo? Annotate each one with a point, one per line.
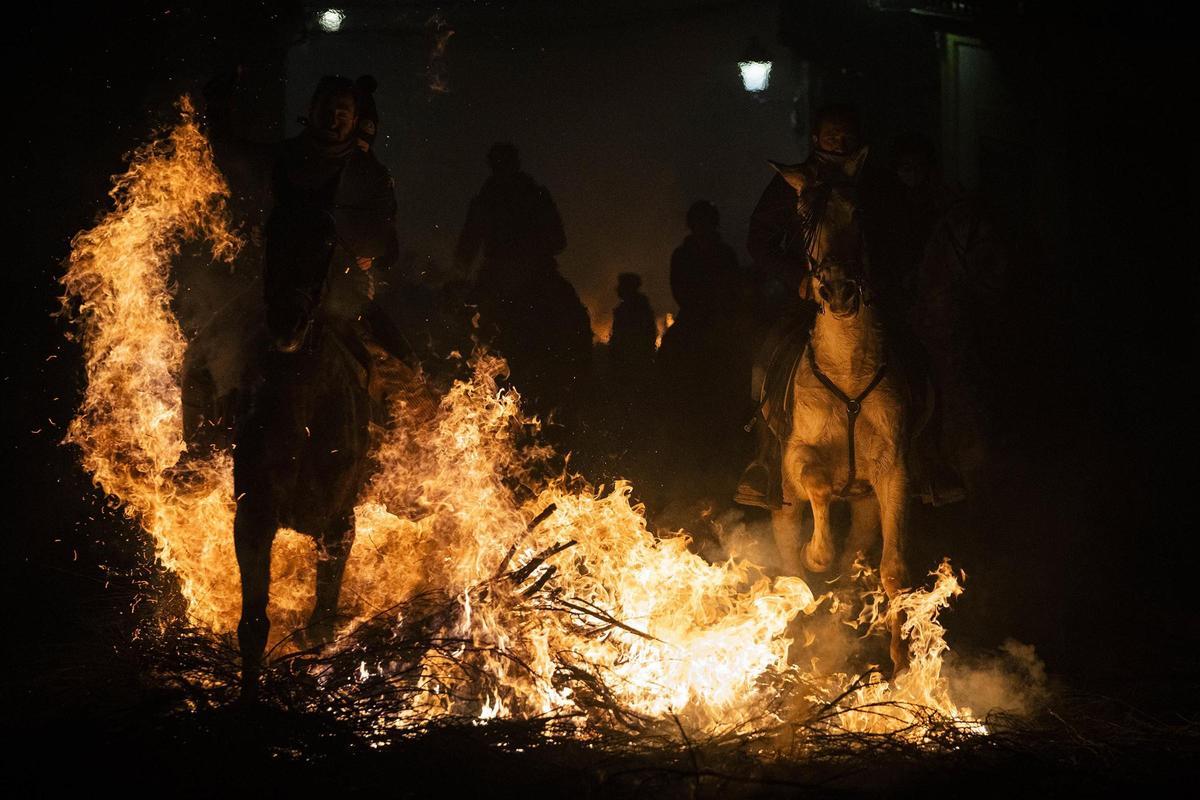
(756, 75)
(331, 20)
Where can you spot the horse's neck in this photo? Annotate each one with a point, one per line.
(848, 349)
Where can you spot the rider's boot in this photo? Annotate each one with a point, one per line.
(759, 485)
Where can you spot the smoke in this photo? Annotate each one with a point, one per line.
(1012, 679)
(738, 535)
(220, 311)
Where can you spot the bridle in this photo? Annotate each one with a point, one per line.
(861, 287)
(811, 212)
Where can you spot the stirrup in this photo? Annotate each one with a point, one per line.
(754, 485)
(747, 496)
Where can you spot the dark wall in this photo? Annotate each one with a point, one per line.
(1079, 144)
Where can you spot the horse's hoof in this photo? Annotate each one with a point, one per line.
(812, 563)
(249, 695)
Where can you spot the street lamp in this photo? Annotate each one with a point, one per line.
(755, 66)
(331, 20)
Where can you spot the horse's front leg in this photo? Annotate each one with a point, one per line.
(891, 488)
(811, 478)
(333, 549)
(254, 527)
(787, 524)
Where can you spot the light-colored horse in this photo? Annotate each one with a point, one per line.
(851, 417)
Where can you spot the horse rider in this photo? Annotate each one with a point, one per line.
(779, 239)
(329, 187)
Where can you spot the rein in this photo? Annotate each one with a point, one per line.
(853, 407)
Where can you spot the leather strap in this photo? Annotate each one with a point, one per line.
(853, 407)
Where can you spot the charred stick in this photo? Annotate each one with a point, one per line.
(546, 576)
(542, 516)
(519, 575)
(584, 607)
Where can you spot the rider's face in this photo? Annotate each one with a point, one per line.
(334, 118)
(837, 136)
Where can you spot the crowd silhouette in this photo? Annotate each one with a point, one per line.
(671, 400)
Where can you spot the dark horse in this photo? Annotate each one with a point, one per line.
(301, 454)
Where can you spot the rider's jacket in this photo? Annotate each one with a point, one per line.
(333, 199)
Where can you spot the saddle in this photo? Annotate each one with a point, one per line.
(771, 383)
(774, 370)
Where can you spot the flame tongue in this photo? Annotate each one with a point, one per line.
(661, 630)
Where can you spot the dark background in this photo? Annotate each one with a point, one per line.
(1083, 143)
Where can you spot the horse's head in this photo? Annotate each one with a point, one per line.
(841, 288)
(825, 169)
(827, 202)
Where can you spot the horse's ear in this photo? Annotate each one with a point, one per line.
(793, 174)
(855, 162)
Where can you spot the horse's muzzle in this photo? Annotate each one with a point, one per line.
(842, 298)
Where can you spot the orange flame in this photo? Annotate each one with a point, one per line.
(695, 639)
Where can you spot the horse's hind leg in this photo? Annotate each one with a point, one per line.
(332, 551)
(253, 532)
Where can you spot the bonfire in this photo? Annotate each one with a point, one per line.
(482, 586)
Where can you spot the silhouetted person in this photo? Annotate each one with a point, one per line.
(301, 452)
(699, 368)
(704, 268)
(955, 300)
(527, 310)
(631, 345)
(779, 234)
(516, 224)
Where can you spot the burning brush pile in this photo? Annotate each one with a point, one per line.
(480, 587)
